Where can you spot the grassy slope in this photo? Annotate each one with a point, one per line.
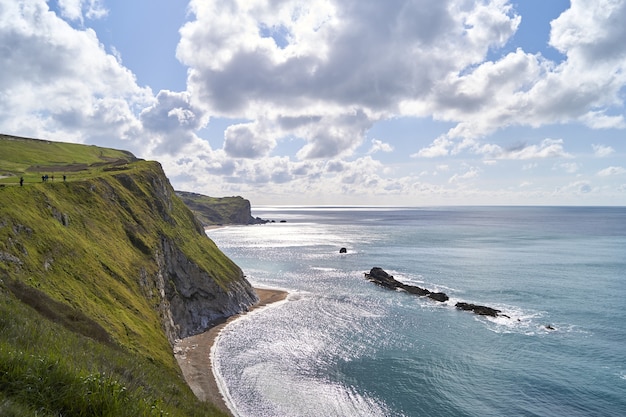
(73, 315)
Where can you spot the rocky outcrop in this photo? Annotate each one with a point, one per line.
(380, 277)
(192, 300)
(480, 310)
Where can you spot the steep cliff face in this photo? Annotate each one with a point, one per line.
(219, 210)
(195, 300)
(197, 285)
(122, 248)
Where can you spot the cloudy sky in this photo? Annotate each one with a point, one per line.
(396, 102)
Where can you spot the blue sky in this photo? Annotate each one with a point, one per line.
(403, 102)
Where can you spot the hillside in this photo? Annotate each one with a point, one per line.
(99, 274)
(219, 210)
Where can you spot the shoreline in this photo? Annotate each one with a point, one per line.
(193, 353)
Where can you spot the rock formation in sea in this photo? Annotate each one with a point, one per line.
(381, 277)
(478, 309)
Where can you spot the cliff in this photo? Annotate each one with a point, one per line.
(219, 210)
(108, 253)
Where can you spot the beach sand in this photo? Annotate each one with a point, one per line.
(194, 354)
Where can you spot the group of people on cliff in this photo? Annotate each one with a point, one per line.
(44, 178)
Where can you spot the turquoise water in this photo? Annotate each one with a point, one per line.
(341, 346)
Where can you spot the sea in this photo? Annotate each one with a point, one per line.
(340, 345)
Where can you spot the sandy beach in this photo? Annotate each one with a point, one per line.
(194, 354)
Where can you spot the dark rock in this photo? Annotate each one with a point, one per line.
(478, 309)
(380, 277)
(343, 250)
(439, 296)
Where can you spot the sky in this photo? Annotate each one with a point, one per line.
(333, 102)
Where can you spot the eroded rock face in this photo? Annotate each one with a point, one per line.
(192, 300)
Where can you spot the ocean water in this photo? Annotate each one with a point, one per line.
(342, 346)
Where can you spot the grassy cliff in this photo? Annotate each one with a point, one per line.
(82, 305)
(219, 210)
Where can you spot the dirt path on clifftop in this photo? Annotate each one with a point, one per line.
(194, 354)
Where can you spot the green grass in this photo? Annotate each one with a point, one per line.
(32, 158)
(80, 328)
(48, 370)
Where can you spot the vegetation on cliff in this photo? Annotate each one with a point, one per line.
(86, 286)
(219, 210)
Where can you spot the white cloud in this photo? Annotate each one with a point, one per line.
(525, 89)
(611, 171)
(172, 121)
(470, 173)
(440, 147)
(576, 187)
(248, 140)
(569, 167)
(602, 151)
(73, 9)
(379, 146)
(322, 73)
(331, 60)
(548, 148)
(59, 83)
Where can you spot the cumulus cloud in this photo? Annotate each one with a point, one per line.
(379, 146)
(470, 173)
(346, 64)
(440, 147)
(323, 73)
(611, 171)
(576, 187)
(248, 140)
(548, 148)
(526, 89)
(58, 82)
(79, 9)
(602, 151)
(171, 121)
